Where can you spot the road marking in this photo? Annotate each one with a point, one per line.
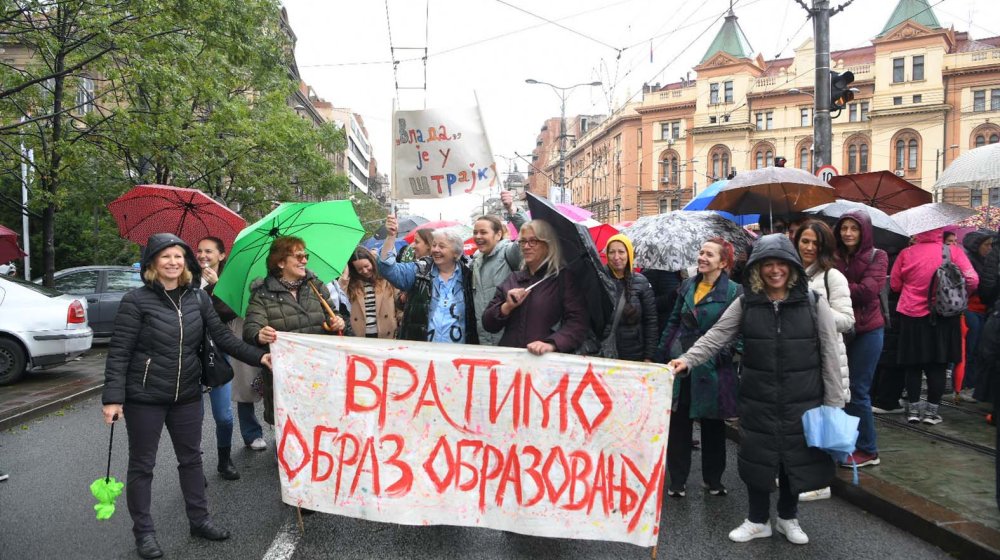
(285, 542)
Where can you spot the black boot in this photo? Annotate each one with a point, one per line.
(147, 547)
(209, 530)
(226, 468)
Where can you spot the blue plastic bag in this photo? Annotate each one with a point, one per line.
(832, 430)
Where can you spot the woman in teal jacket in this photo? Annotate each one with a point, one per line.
(708, 394)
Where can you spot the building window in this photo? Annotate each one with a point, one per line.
(765, 120)
(852, 111)
(906, 152)
(918, 67)
(670, 130)
(713, 94)
(729, 91)
(898, 100)
(979, 100)
(863, 159)
(85, 96)
(918, 98)
(864, 111)
(858, 111)
(984, 134)
(975, 197)
(995, 100)
(898, 65)
(664, 206)
(720, 157)
(994, 196)
(763, 155)
(913, 155)
(804, 117)
(713, 120)
(670, 169)
(638, 138)
(857, 154)
(805, 155)
(900, 154)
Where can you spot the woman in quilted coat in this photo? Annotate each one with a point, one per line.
(927, 342)
(708, 393)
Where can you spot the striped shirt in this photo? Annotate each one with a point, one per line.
(371, 316)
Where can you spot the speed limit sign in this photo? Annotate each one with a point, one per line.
(827, 172)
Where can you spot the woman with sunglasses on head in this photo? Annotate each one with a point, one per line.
(538, 307)
(439, 305)
(708, 393)
(289, 299)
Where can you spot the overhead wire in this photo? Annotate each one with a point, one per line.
(561, 26)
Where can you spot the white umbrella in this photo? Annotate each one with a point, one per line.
(887, 231)
(975, 169)
(931, 216)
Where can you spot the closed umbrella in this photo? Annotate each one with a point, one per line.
(671, 241)
(187, 213)
(880, 189)
(887, 232)
(706, 196)
(331, 231)
(975, 169)
(772, 191)
(934, 215)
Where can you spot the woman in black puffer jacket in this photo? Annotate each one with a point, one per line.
(637, 333)
(153, 377)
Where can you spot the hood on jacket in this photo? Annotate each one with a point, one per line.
(867, 235)
(777, 246)
(629, 250)
(160, 241)
(973, 240)
(932, 236)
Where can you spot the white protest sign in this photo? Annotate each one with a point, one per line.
(419, 433)
(438, 153)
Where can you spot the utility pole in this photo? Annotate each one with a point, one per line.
(822, 123)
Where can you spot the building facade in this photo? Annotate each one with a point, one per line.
(927, 94)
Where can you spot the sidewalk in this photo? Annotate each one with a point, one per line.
(935, 482)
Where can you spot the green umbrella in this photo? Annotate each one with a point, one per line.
(331, 231)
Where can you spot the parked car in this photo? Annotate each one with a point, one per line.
(39, 327)
(103, 286)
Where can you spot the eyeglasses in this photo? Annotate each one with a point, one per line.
(300, 256)
(530, 242)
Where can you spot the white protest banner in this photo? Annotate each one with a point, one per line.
(438, 153)
(419, 433)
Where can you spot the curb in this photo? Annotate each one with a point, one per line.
(937, 525)
(24, 414)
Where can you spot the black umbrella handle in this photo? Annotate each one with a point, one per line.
(107, 474)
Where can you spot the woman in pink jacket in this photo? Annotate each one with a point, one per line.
(926, 343)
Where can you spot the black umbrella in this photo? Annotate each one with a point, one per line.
(582, 261)
(406, 225)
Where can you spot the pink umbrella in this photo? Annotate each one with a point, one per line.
(439, 224)
(574, 213)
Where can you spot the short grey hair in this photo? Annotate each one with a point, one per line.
(453, 238)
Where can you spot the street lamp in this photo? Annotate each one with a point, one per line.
(562, 92)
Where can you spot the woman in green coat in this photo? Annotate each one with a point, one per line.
(708, 394)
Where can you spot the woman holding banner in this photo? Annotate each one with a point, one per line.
(708, 393)
(439, 304)
(790, 365)
(537, 307)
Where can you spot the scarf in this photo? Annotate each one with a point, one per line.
(291, 285)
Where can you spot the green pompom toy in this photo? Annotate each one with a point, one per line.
(106, 490)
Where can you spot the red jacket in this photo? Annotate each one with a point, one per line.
(914, 269)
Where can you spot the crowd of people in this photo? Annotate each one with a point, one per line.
(803, 322)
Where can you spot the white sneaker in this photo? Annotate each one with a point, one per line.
(813, 495)
(749, 531)
(258, 444)
(790, 528)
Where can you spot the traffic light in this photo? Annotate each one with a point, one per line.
(840, 89)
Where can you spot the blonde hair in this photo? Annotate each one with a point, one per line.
(151, 276)
(757, 283)
(545, 232)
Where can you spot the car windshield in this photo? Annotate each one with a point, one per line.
(32, 286)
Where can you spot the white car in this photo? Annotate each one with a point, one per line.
(39, 327)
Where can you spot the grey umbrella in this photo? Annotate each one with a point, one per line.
(773, 191)
(931, 216)
(887, 232)
(671, 241)
(975, 169)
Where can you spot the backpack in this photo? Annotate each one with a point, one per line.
(947, 294)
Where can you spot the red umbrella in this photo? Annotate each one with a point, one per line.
(601, 234)
(880, 189)
(9, 249)
(187, 213)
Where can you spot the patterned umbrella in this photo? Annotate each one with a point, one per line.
(881, 189)
(776, 191)
(975, 169)
(187, 213)
(934, 215)
(887, 231)
(671, 241)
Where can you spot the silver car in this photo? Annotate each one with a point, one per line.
(39, 327)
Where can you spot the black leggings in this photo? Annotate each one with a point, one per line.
(935, 382)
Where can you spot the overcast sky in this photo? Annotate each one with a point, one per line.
(489, 47)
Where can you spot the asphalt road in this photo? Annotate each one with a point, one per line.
(46, 512)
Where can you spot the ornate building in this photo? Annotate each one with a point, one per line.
(926, 95)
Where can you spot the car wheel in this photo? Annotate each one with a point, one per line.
(13, 362)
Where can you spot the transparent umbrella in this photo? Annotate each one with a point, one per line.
(931, 216)
(975, 169)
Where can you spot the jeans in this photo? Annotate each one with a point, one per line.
(974, 321)
(144, 423)
(222, 412)
(250, 427)
(760, 501)
(862, 358)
